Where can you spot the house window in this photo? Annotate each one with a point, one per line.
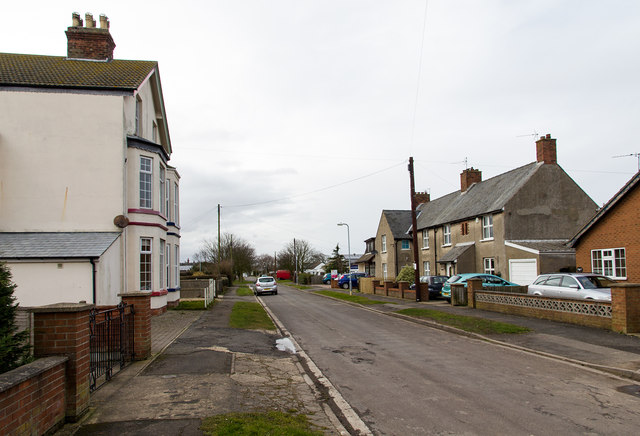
(426, 267)
(487, 227)
(167, 266)
(610, 262)
(162, 263)
(384, 271)
(446, 234)
(138, 116)
(176, 266)
(145, 264)
(167, 194)
(405, 244)
(163, 192)
(425, 239)
(489, 265)
(384, 243)
(154, 133)
(175, 204)
(146, 178)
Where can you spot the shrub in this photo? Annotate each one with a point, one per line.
(406, 274)
(14, 346)
(304, 279)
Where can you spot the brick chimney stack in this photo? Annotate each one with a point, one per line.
(422, 197)
(89, 42)
(546, 149)
(468, 177)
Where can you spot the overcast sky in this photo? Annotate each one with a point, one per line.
(296, 115)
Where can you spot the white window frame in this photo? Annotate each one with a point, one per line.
(426, 268)
(610, 262)
(384, 243)
(489, 264)
(425, 239)
(163, 191)
(176, 266)
(162, 262)
(176, 204)
(146, 264)
(487, 227)
(384, 271)
(402, 245)
(167, 266)
(146, 182)
(446, 235)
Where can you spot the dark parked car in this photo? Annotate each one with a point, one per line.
(435, 285)
(343, 281)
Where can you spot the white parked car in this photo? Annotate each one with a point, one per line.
(577, 286)
(266, 285)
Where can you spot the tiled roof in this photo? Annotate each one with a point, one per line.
(399, 221)
(61, 72)
(628, 187)
(479, 199)
(42, 245)
(453, 254)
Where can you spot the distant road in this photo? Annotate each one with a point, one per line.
(406, 379)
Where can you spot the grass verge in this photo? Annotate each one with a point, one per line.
(352, 298)
(244, 291)
(250, 315)
(466, 323)
(191, 305)
(272, 423)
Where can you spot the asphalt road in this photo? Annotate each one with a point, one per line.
(407, 379)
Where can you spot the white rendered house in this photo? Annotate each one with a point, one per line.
(89, 205)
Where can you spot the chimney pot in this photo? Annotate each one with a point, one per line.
(104, 21)
(76, 21)
(89, 19)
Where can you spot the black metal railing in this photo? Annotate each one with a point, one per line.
(111, 343)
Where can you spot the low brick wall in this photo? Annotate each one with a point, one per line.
(588, 320)
(32, 397)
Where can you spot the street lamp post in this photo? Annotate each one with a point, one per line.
(348, 254)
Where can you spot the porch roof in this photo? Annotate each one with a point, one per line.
(51, 245)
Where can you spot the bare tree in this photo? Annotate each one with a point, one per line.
(232, 249)
(301, 251)
(264, 263)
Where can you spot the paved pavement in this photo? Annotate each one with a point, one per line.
(201, 367)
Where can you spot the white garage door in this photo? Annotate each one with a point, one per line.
(522, 271)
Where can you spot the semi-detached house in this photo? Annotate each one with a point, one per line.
(89, 204)
(516, 224)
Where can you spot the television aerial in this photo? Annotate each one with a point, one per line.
(636, 155)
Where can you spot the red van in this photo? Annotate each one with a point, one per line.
(283, 274)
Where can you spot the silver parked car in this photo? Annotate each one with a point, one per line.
(577, 286)
(266, 285)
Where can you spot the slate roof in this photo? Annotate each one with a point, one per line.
(399, 222)
(628, 187)
(64, 73)
(479, 199)
(47, 245)
(453, 254)
(545, 245)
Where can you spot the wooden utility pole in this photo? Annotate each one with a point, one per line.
(414, 226)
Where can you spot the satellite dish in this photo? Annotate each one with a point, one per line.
(121, 221)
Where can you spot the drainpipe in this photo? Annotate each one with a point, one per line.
(93, 277)
(395, 250)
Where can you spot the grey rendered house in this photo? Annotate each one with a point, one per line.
(515, 225)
